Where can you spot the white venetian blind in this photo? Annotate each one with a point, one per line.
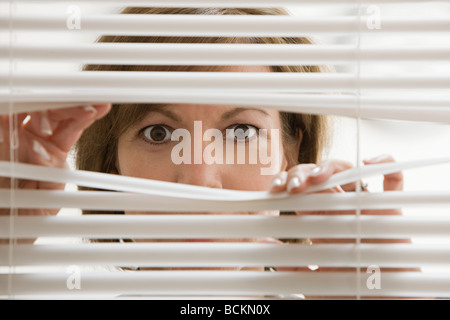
(390, 94)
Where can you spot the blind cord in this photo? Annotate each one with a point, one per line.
(13, 152)
(358, 149)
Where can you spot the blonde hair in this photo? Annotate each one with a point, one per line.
(97, 148)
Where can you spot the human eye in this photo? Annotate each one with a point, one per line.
(156, 134)
(241, 132)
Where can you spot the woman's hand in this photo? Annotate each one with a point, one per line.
(302, 176)
(45, 138)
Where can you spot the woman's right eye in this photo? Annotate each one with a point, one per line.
(157, 134)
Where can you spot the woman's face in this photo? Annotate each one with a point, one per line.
(222, 147)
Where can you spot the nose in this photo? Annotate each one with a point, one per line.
(202, 169)
(204, 175)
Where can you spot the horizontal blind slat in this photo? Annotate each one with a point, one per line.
(232, 283)
(225, 226)
(226, 25)
(228, 255)
(220, 3)
(107, 181)
(236, 81)
(433, 109)
(113, 201)
(221, 54)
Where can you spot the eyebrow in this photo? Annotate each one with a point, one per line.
(232, 113)
(225, 116)
(167, 113)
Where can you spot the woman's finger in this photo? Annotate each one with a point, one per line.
(5, 137)
(351, 187)
(58, 115)
(70, 130)
(38, 123)
(5, 125)
(392, 182)
(40, 151)
(63, 127)
(278, 183)
(287, 180)
(296, 178)
(302, 177)
(3, 129)
(326, 169)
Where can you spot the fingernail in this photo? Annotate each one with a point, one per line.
(46, 128)
(279, 181)
(315, 172)
(275, 183)
(26, 120)
(90, 108)
(40, 150)
(293, 183)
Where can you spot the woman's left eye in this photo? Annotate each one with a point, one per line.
(157, 134)
(241, 132)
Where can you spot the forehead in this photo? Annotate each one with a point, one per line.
(244, 69)
(135, 113)
(180, 112)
